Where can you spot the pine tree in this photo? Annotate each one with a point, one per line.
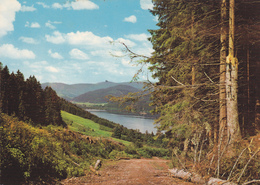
(33, 101)
(52, 107)
(13, 95)
(185, 45)
(4, 99)
(20, 88)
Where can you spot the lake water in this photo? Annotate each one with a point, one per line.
(129, 121)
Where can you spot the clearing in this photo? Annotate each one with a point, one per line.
(134, 171)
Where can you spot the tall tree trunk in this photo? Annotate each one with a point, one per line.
(233, 127)
(222, 69)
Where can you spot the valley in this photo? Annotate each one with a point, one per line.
(97, 96)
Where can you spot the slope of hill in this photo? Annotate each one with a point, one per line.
(99, 96)
(71, 91)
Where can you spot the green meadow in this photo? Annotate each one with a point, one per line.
(88, 127)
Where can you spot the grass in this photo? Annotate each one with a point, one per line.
(88, 127)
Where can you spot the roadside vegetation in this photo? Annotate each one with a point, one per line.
(32, 154)
(45, 138)
(206, 64)
(38, 154)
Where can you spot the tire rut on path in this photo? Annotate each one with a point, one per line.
(130, 172)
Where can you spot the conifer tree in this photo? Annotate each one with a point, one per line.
(4, 99)
(185, 45)
(52, 107)
(13, 95)
(34, 101)
(20, 89)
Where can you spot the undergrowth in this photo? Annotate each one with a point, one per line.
(240, 164)
(36, 155)
(39, 154)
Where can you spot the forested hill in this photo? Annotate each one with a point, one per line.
(71, 91)
(100, 95)
(27, 100)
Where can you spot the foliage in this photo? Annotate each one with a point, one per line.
(185, 44)
(119, 154)
(149, 152)
(75, 110)
(100, 95)
(84, 126)
(33, 154)
(27, 100)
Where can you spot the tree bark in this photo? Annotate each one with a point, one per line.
(222, 68)
(233, 127)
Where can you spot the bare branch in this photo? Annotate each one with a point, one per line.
(134, 54)
(208, 77)
(250, 182)
(177, 81)
(238, 159)
(247, 164)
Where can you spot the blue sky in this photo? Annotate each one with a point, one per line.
(73, 41)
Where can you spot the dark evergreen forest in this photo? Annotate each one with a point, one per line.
(26, 99)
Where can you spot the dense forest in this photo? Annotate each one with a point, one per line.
(26, 99)
(188, 63)
(206, 63)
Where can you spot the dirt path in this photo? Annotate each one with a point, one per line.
(134, 172)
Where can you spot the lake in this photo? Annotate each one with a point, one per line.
(129, 121)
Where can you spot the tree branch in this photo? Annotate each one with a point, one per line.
(177, 81)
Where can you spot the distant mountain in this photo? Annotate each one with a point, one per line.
(99, 96)
(71, 91)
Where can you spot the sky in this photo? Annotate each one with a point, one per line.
(75, 41)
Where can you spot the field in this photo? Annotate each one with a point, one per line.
(88, 127)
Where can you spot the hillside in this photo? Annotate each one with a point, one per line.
(99, 96)
(71, 91)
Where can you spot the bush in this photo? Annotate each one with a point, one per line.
(149, 152)
(40, 154)
(115, 154)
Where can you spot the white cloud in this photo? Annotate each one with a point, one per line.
(76, 5)
(87, 38)
(145, 51)
(57, 6)
(57, 38)
(55, 55)
(28, 40)
(27, 8)
(83, 4)
(50, 25)
(146, 4)
(126, 62)
(156, 18)
(32, 25)
(78, 54)
(35, 25)
(9, 51)
(52, 69)
(126, 42)
(131, 19)
(7, 15)
(43, 5)
(138, 37)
